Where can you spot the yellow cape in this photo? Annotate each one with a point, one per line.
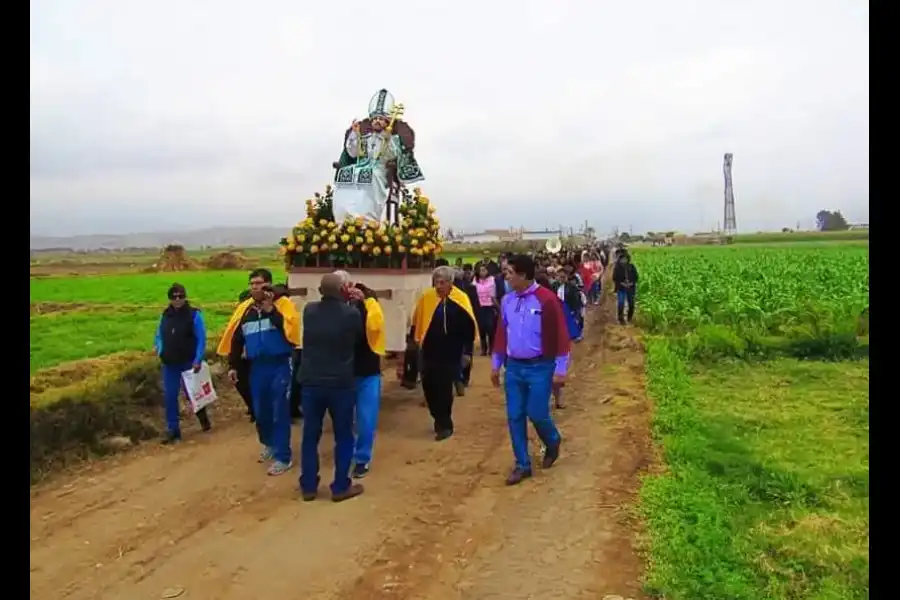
(428, 303)
(375, 326)
(284, 305)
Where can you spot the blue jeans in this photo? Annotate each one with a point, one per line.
(368, 401)
(270, 382)
(339, 403)
(623, 297)
(528, 386)
(172, 385)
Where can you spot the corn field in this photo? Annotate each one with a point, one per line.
(755, 293)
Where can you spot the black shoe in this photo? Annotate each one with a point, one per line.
(442, 435)
(205, 425)
(621, 321)
(171, 438)
(460, 388)
(360, 471)
(551, 454)
(518, 475)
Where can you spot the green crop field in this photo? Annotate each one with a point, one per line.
(764, 433)
(92, 316)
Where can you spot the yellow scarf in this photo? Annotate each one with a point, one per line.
(428, 303)
(375, 326)
(285, 307)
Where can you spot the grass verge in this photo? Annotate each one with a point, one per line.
(766, 493)
(78, 409)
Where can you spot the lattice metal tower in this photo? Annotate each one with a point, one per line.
(730, 220)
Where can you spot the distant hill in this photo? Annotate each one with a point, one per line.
(218, 237)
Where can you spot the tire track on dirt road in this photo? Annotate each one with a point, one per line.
(436, 521)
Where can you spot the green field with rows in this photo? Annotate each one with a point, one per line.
(758, 372)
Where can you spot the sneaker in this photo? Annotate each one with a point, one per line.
(265, 455)
(460, 388)
(518, 475)
(351, 492)
(279, 468)
(171, 437)
(360, 470)
(309, 496)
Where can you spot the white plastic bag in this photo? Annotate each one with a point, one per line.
(199, 387)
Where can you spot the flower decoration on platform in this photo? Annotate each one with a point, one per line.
(414, 241)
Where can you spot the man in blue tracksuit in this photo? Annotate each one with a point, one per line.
(180, 344)
(262, 333)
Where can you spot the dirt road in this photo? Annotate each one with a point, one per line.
(203, 521)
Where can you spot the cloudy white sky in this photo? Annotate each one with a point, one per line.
(149, 115)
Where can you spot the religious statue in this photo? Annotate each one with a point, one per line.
(376, 162)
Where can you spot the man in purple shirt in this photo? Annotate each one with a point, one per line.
(532, 340)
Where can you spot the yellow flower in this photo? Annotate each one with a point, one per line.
(351, 229)
(299, 249)
(314, 249)
(358, 239)
(401, 248)
(417, 191)
(323, 247)
(423, 199)
(397, 238)
(416, 251)
(413, 242)
(431, 209)
(376, 251)
(331, 238)
(387, 250)
(301, 237)
(349, 247)
(323, 233)
(385, 238)
(359, 221)
(345, 238)
(370, 239)
(331, 224)
(291, 246)
(323, 222)
(316, 237)
(364, 248)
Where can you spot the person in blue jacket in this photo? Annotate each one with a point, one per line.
(180, 344)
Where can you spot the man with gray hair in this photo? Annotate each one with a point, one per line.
(444, 328)
(331, 330)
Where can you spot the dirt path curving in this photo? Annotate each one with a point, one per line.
(203, 520)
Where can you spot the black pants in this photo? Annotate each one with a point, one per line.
(243, 385)
(437, 384)
(487, 326)
(410, 367)
(296, 389)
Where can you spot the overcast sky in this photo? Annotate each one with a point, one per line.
(149, 115)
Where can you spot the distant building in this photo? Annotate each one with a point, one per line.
(490, 236)
(853, 226)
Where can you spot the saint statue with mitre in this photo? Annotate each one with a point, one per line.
(376, 161)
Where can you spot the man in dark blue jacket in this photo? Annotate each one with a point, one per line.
(180, 344)
(332, 330)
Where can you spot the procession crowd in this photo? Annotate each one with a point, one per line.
(524, 311)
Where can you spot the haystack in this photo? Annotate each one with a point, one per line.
(227, 260)
(174, 258)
